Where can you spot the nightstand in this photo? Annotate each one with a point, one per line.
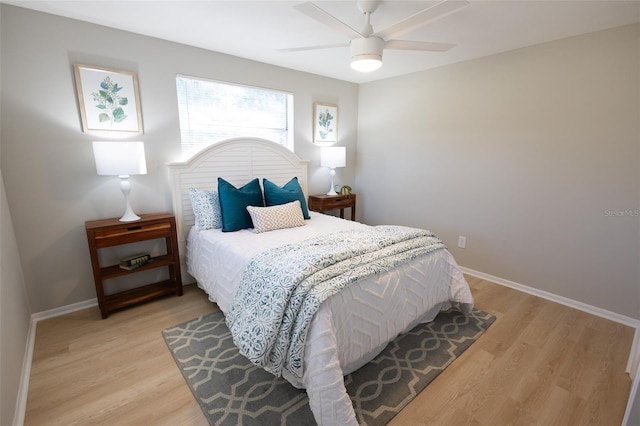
(324, 203)
(111, 232)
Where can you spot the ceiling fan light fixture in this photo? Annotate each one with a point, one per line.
(366, 54)
(366, 64)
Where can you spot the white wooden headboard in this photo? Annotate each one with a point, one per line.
(238, 161)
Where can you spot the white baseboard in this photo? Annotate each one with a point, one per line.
(23, 388)
(634, 354)
(63, 310)
(594, 310)
(627, 419)
(632, 364)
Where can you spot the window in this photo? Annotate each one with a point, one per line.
(212, 111)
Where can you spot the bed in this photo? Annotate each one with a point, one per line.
(351, 326)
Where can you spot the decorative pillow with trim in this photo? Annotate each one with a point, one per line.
(281, 216)
(206, 208)
(291, 191)
(234, 202)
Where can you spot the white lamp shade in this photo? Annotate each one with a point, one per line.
(120, 158)
(332, 157)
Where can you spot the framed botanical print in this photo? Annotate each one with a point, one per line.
(325, 123)
(108, 99)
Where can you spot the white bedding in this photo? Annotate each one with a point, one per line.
(351, 327)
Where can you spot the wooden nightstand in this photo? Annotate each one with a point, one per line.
(324, 203)
(112, 232)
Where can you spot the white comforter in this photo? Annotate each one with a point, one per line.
(350, 328)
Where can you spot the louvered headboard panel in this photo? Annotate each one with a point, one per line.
(236, 160)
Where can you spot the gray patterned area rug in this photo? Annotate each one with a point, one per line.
(232, 391)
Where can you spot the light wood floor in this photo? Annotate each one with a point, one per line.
(540, 363)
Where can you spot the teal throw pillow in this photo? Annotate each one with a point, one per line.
(291, 191)
(234, 202)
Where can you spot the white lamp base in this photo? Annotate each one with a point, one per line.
(125, 186)
(332, 190)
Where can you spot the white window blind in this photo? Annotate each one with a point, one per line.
(212, 111)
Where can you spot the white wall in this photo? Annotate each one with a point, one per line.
(14, 311)
(522, 152)
(14, 315)
(47, 162)
(530, 154)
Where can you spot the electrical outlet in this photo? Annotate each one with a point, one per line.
(462, 241)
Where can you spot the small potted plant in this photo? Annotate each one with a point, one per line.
(345, 190)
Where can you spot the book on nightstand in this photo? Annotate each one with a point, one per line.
(133, 262)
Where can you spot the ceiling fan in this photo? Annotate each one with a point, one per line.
(367, 45)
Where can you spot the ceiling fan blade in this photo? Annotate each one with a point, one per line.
(322, 46)
(313, 11)
(418, 45)
(418, 19)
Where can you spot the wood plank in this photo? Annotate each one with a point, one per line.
(540, 363)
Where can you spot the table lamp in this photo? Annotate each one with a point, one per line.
(332, 157)
(121, 159)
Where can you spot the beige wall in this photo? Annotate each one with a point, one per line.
(530, 154)
(47, 162)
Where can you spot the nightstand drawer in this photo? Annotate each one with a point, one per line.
(130, 234)
(323, 203)
(338, 203)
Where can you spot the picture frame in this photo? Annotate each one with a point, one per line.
(108, 100)
(325, 123)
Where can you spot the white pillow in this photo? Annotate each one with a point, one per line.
(206, 208)
(276, 217)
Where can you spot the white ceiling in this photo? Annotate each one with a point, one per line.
(257, 29)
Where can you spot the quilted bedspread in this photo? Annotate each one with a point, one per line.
(283, 287)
